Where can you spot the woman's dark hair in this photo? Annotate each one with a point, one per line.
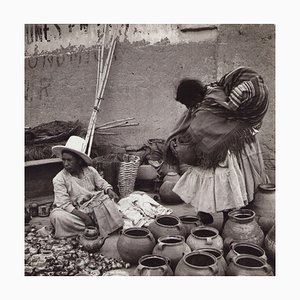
(190, 92)
(81, 162)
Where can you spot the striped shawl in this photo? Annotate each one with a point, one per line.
(228, 117)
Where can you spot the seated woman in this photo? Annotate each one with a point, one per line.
(82, 197)
(214, 142)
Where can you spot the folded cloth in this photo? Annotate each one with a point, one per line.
(139, 209)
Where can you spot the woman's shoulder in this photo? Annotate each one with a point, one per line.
(89, 170)
(60, 176)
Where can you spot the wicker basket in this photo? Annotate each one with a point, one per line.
(127, 174)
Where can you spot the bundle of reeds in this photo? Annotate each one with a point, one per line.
(103, 69)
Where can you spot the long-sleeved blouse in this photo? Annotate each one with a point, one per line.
(70, 192)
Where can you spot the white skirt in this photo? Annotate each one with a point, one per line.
(213, 190)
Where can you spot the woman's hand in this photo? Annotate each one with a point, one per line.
(112, 195)
(87, 220)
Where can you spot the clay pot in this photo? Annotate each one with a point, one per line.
(135, 242)
(90, 239)
(197, 263)
(153, 265)
(146, 177)
(165, 225)
(204, 237)
(218, 254)
(241, 226)
(33, 209)
(146, 172)
(264, 206)
(269, 243)
(165, 168)
(173, 247)
(189, 223)
(245, 248)
(167, 195)
(249, 265)
(171, 177)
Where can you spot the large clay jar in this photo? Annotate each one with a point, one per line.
(197, 263)
(264, 206)
(146, 172)
(173, 247)
(218, 254)
(204, 237)
(245, 248)
(172, 177)
(165, 225)
(90, 239)
(146, 177)
(153, 265)
(241, 226)
(167, 195)
(189, 223)
(269, 244)
(165, 168)
(135, 242)
(249, 265)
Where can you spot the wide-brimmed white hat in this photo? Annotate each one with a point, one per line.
(74, 144)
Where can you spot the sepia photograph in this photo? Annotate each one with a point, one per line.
(149, 149)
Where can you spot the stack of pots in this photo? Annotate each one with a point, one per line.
(169, 232)
(242, 226)
(165, 191)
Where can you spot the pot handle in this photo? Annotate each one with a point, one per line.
(232, 244)
(160, 246)
(180, 226)
(140, 269)
(228, 241)
(214, 269)
(164, 269)
(150, 236)
(168, 260)
(267, 268)
(209, 241)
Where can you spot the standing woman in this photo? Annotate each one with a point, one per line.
(82, 197)
(214, 143)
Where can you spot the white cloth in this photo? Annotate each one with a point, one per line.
(139, 209)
